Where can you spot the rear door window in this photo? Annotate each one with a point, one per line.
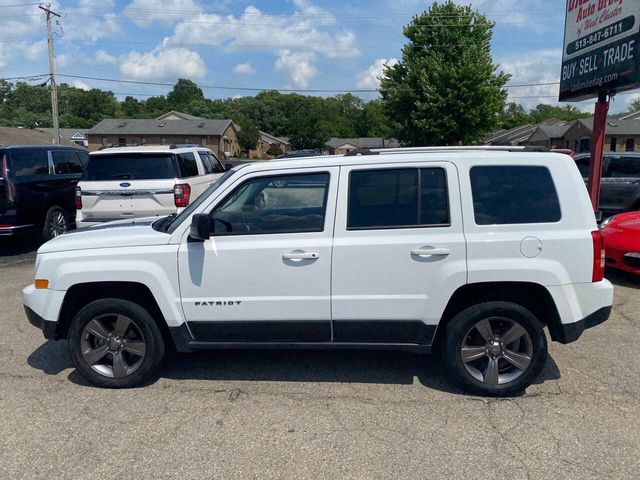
(398, 198)
(504, 195)
(211, 163)
(187, 164)
(624, 167)
(29, 162)
(66, 162)
(131, 166)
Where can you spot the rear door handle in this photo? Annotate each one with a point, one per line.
(301, 256)
(431, 252)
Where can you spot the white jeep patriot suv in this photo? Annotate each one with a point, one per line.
(470, 253)
(132, 182)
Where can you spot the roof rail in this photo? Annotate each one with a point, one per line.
(184, 145)
(481, 148)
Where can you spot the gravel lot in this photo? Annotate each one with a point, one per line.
(310, 414)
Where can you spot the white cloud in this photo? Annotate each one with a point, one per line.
(163, 63)
(84, 22)
(81, 85)
(370, 78)
(299, 65)
(243, 69)
(145, 12)
(102, 57)
(542, 66)
(281, 35)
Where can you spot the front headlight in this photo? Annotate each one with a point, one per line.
(606, 222)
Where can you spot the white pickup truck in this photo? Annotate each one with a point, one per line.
(470, 253)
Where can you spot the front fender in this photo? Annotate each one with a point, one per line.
(153, 266)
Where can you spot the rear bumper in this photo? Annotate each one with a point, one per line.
(48, 328)
(570, 332)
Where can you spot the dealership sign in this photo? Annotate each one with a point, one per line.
(601, 48)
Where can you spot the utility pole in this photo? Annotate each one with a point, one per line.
(54, 86)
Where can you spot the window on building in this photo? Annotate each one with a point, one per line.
(630, 145)
(614, 144)
(103, 141)
(203, 142)
(122, 141)
(144, 140)
(187, 140)
(397, 198)
(163, 141)
(505, 195)
(268, 205)
(585, 145)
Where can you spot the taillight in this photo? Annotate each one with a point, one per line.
(181, 194)
(78, 198)
(598, 256)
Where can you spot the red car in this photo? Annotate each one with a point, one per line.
(622, 241)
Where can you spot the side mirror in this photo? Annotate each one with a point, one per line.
(200, 227)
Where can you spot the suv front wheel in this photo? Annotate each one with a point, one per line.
(115, 343)
(495, 348)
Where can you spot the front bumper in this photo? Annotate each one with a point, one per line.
(48, 328)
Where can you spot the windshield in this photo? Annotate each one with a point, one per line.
(174, 222)
(131, 166)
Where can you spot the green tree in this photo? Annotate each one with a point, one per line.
(635, 105)
(513, 115)
(544, 112)
(248, 135)
(446, 89)
(184, 92)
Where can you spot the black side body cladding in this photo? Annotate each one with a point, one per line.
(570, 332)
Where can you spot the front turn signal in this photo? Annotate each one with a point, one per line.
(41, 284)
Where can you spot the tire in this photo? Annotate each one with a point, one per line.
(115, 343)
(55, 223)
(500, 360)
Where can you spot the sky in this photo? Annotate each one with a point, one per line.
(320, 46)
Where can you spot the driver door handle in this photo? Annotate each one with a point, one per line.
(301, 256)
(431, 252)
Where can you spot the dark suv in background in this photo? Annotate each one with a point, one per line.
(620, 185)
(37, 188)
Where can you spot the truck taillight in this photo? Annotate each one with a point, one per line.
(181, 194)
(78, 198)
(598, 256)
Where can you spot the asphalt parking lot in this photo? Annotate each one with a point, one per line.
(310, 414)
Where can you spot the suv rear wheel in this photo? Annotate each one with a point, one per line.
(55, 223)
(495, 348)
(115, 343)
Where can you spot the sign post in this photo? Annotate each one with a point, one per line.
(601, 56)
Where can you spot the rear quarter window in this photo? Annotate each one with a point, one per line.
(504, 195)
(29, 162)
(187, 164)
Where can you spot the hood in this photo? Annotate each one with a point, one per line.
(122, 233)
